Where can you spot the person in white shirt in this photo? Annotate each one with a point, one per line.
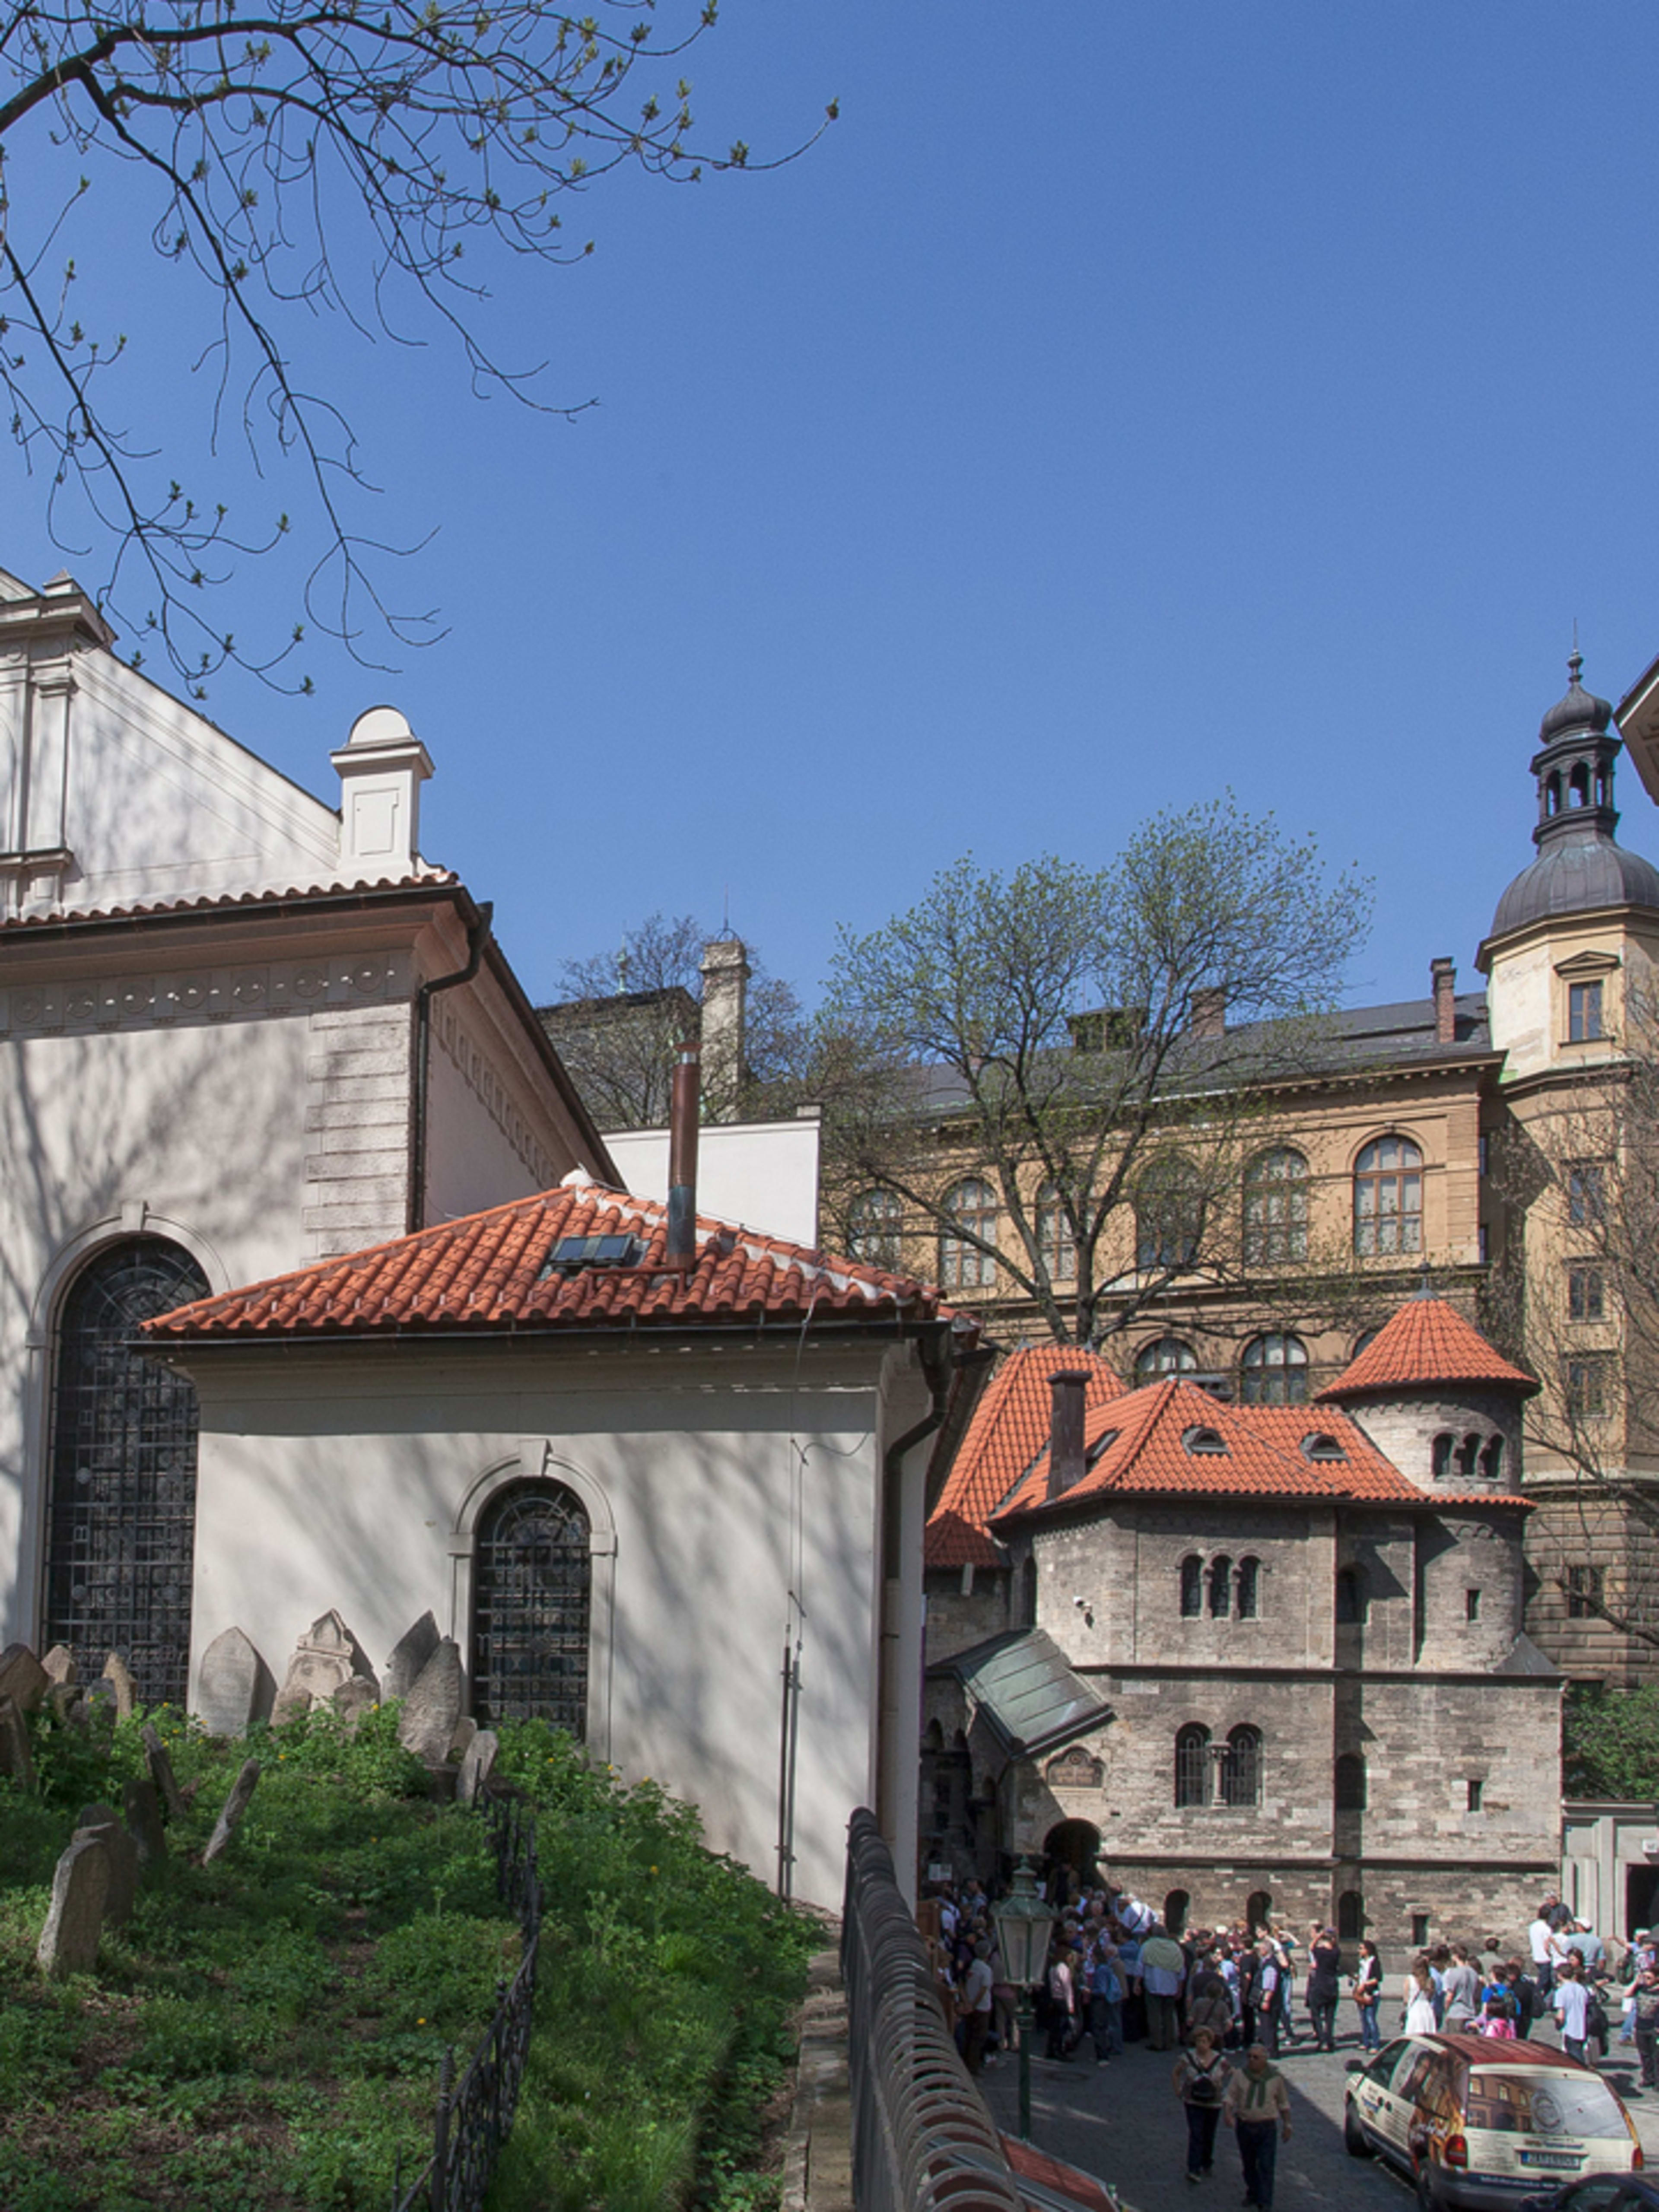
(1538, 1936)
(1571, 2004)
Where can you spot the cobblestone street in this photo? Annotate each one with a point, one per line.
(1121, 2122)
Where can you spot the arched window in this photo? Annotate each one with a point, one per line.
(1491, 1460)
(1258, 1909)
(1192, 1587)
(1249, 1589)
(1240, 1766)
(1444, 1445)
(1192, 1765)
(971, 1206)
(1578, 787)
(1276, 1207)
(1351, 1782)
(1274, 1371)
(875, 1223)
(1176, 1906)
(1168, 1216)
(1028, 1592)
(531, 1600)
(1350, 1596)
(1056, 1246)
(1165, 1355)
(121, 1515)
(1221, 1587)
(1387, 1197)
(1350, 1916)
(1552, 794)
(1362, 1342)
(1469, 1452)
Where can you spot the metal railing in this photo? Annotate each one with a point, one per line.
(921, 2136)
(475, 2116)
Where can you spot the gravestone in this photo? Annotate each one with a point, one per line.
(161, 1774)
(123, 1862)
(352, 1700)
(143, 1809)
(433, 1706)
(242, 1792)
(15, 1757)
(324, 1659)
(59, 1665)
(234, 1687)
(22, 1677)
(411, 1653)
(98, 1703)
(80, 1889)
(66, 1700)
(465, 1728)
(477, 1765)
(118, 1675)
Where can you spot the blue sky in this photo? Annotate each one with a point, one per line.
(1119, 403)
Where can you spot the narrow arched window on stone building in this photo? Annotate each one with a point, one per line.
(1444, 1445)
(1491, 1460)
(1240, 1766)
(1351, 1782)
(1192, 1765)
(1192, 1587)
(1221, 1587)
(1249, 1588)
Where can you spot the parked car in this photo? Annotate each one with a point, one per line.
(1602, 2192)
(1480, 2125)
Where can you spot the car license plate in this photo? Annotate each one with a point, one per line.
(1557, 2161)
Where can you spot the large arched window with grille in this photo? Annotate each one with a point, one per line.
(1276, 1208)
(1274, 1371)
(1056, 1245)
(1240, 1766)
(1192, 1765)
(875, 1224)
(1387, 1197)
(971, 1210)
(121, 1504)
(1164, 1355)
(1168, 1216)
(531, 1592)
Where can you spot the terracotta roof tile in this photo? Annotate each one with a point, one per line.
(1010, 1427)
(1427, 1342)
(486, 1271)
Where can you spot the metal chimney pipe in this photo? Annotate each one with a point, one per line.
(683, 1117)
(1066, 1430)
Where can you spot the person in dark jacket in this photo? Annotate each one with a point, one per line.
(1324, 1987)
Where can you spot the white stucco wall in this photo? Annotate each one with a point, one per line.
(762, 1175)
(351, 1479)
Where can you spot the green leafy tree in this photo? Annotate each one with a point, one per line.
(294, 157)
(1610, 1742)
(1092, 1044)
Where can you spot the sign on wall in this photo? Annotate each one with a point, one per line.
(1075, 1769)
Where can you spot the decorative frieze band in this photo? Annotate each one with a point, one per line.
(204, 994)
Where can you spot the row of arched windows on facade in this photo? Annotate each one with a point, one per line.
(1211, 1773)
(1219, 1588)
(1170, 1208)
(121, 1514)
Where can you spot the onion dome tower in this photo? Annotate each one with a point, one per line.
(1566, 927)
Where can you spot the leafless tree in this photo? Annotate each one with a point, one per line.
(374, 159)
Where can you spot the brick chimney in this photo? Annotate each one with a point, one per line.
(1209, 1012)
(1066, 1430)
(1444, 975)
(725, 1009)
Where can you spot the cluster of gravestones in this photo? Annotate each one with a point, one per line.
(97, 1878)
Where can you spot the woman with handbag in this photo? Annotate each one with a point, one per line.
(1199, 2081)
(1367, 1987)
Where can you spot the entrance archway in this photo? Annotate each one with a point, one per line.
(1257, 1906)
(1176, 1906)
(1073, 1844)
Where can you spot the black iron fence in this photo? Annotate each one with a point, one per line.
(474, 2115)
(921, 2136)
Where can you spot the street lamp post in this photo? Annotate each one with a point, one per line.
(1023, 1923)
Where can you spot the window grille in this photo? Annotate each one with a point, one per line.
(530, 1602)
(1241, 1767)
(121, 1518)
(1192, 1767)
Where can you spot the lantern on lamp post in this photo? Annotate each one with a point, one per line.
(1023, 1926)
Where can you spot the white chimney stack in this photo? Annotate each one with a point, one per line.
(381, 767)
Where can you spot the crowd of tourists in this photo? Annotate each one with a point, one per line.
(1224, 2002)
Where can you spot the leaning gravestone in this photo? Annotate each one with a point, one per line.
(242, 1792)
(22, 1677)
(477, 1765)
(162, 1773)
(144, 1817)
(234, 1687)
(67, 1700)
(465, 1728)
(433, 1706)
(409, 1654)
(123, 1861)
(352, 1700)
(324, 1659)
(124, 1690)
(80, 1889)
(59, 1665)
(16, 1758)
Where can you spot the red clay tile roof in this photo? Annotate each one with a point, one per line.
(1136, 1446)
(1010, 1427)
(422, 880)
(486, 1273)
(1427, 1342)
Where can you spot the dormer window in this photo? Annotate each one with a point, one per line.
(1205, 1442)
(1321, 1445)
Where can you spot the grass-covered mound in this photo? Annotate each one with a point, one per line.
(266, 2032)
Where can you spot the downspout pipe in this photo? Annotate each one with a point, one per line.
(476, 937)
(893, 1723)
